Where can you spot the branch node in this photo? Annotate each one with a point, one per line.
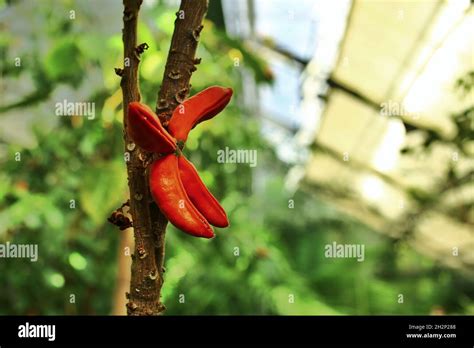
(174, 75)
(164, 118)
(132, 306)
(128, 15)
(141, 48)
(119, 219)
(162, 105)
(141, 252)
(131, 146)
(181, 95)
(196, 32)
(119, 71)
(153, 275)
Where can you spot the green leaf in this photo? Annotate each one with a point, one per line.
(64, 62)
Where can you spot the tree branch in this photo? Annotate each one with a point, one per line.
(148, 222)
(145, 283)
(181, 62)
(175, 88)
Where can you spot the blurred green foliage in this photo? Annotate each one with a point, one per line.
(72, 175)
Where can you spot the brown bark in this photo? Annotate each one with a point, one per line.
(149, 224)
(181, 61)
(145, 282)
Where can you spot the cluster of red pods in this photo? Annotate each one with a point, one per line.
(174, 182)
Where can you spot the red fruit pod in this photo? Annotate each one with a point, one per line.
(169, 193)
(200, 196)
(200, 107)
(145, 129)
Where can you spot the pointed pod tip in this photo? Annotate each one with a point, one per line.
(208, 235)
(227, 91)
(222, 222)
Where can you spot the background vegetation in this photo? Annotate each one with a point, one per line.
(73, 158)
